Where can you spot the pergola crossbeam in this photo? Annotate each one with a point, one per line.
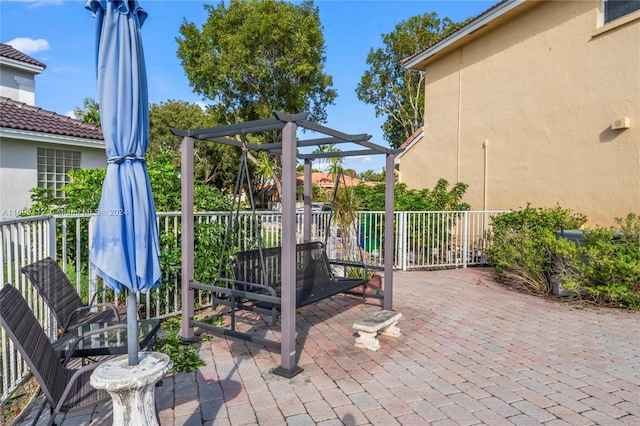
(338, 154)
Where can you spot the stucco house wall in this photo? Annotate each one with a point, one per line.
(19, 172)
(523, 113)
(24, 128)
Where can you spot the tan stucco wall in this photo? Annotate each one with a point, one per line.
(543, 89)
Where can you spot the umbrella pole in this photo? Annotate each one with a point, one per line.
(132, 328)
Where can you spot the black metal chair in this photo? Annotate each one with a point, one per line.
(63, 387)
(63, 299)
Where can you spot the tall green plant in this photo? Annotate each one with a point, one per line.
(606, 269)
(522, 245)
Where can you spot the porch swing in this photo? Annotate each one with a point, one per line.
(258, 270)
(275, 280)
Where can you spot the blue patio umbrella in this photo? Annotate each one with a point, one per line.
(125, 248)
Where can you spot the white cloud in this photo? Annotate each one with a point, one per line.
(29, 46)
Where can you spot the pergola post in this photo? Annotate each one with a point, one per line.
(307, 197)
(389, 183)
(288, 362)
(186, 186)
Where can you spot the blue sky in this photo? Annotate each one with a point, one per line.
(61, 35)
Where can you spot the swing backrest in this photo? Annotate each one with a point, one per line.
(263, 266)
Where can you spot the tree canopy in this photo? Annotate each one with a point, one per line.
(396, 93)
(250, 58)
(89, 112)
(214, 164)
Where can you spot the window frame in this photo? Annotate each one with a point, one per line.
(52, 166)
(604, 22)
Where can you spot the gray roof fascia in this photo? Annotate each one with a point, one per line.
(31, 136)
(473, 26)
(13, 63)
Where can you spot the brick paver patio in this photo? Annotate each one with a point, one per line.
(472, 352)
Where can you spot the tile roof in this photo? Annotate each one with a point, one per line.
(9, 52)
(20, 116)
(326, 180)
(412, 137)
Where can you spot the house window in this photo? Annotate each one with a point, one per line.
(53, 165)
(614, 9)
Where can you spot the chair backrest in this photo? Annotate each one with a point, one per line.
(312, 266)
(29, 338)
(55, 288)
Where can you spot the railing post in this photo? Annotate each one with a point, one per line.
(402, 240)
(93, 275)
(388, 232)
(51, 236)
(465, 238)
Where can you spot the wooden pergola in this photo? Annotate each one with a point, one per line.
(288, 125)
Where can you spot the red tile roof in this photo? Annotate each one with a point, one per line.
(412, 137)
(9, 52)
(20, 116)
(326, 180)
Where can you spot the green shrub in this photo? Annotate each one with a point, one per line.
(184, 357)
(605, 271)
(523, 245)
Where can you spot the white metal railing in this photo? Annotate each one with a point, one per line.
(23, 241)
(442, 239)
(422, 240)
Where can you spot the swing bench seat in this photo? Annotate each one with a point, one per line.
(259, 271)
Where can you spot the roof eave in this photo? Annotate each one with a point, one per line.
(417, 62)
(31, 68)
(28, 135)
(412, 140)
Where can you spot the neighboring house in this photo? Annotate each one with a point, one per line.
(327, 180)
(37, 147)
(535, 102)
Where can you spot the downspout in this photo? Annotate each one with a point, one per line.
(485, 145)
(459, 115)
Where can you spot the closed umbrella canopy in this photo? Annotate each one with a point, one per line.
(125, 248)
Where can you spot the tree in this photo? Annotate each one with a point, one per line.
(332, 164)
(214, 164)
(371, 176)
(251, 58)
(398, 94)
(440, 198)
(89, 112)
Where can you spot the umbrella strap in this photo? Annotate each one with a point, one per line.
(120, 159)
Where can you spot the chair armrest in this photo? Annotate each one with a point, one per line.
(82, 371)
(95, 295)
(88, 307)
(83, 336)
